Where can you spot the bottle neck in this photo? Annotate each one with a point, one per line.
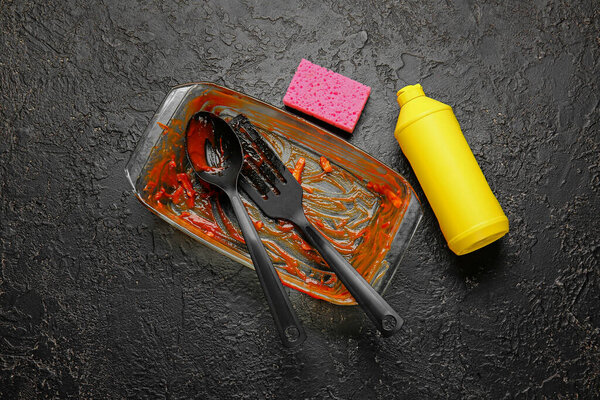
(408, 93)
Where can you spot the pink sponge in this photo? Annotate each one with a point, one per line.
(325, 95)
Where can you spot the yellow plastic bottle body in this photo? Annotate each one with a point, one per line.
(469, 214)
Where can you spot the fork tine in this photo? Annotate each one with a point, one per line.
(257, 169)
(267, 173)
(248, 187)
(255, 180)
(257, 142)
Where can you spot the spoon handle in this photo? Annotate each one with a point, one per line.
(289, 327)
(377, 309)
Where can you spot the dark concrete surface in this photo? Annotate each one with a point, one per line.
(100, 299)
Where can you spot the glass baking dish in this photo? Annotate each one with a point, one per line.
(368, 211)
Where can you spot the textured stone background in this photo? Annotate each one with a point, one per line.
(100, 299)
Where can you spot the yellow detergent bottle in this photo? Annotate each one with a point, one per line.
(428, 133)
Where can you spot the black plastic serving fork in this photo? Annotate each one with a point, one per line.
(269, 183)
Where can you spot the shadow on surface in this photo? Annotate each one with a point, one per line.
(321, 124)
(480, 263)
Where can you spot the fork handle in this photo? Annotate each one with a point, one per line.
(377, 309)
(289, 327)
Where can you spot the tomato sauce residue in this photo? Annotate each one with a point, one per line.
(199, 132)
(298, 169)
(325, 164)
(353, 214)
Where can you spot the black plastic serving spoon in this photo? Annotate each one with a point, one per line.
(215, 153)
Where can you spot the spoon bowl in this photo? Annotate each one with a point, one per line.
(213, 150)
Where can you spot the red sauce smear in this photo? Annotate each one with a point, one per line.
(385, 190)
(200, 131)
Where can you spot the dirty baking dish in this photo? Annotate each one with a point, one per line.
(368, 211)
